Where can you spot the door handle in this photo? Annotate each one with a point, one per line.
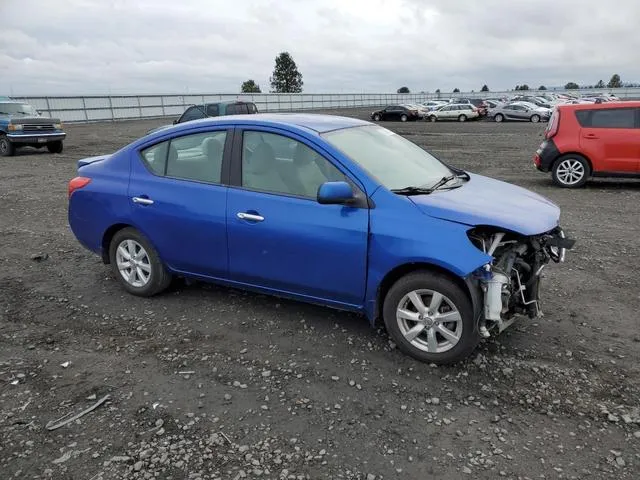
(250, 216)
(590, 135)
(142, 200)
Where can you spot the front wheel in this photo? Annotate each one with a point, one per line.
(433, 118)
(376, 117)
(403, 118)
(535, 118)
(498, 118)
(571, 171)
(430, 318)
(462, 118)
(55, 147)
(7, 149)
(136, 264)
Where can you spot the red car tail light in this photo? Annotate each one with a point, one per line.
(554, 122)
(77, 183)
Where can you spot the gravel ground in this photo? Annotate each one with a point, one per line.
(206, 382)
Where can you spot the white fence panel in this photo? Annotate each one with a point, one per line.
(119, 107)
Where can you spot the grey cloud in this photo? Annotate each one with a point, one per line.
(91, 46)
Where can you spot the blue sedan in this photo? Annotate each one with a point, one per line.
(324, 209)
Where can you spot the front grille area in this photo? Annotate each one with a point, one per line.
(37, 128)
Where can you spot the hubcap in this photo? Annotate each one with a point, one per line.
(133, 263)
(3, 145)
(429, 321)
(570, 171)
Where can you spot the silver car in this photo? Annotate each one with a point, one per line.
(519, 112)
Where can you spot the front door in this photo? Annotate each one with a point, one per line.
(179, 204)
(279, 236)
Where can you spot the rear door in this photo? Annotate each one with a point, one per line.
(178, 200)
(610, 138)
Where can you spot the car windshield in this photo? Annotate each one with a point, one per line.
(17, 109)
(393, 160)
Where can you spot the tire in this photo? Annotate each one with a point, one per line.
(403, 118)
(55, 147)
(7, 149)
(571, 171)
(433, 118)
(462, 118)
(498, 118)
(376, 117)
(158, 278)
(424, 283)
(535, 118)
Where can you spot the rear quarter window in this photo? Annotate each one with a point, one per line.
(607, 118)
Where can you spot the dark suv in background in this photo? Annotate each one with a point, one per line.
(396, 112)
(213, 109)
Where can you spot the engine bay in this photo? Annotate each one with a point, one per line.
(511, 282)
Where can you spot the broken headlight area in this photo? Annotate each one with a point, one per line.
(510, 283)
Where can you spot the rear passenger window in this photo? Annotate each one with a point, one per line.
(607, 118)
(191, 157)
(197, 157)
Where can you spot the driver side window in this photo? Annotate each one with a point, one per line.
(278, 164)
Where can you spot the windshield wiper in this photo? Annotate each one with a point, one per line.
(412, 190)
(442, 181)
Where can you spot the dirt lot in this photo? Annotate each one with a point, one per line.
(279, 389)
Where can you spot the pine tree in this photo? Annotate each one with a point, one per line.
(286, 78)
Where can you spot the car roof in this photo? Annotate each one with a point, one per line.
(319, 123)
(10, 100)
(592, 106)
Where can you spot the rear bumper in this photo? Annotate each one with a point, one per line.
(546, 155)
(36, 137)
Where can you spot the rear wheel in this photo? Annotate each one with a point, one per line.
(7, 148)
(430, 318)
(376, 117)
(535, 118)
(571, 171)
(136, 264)
(462, 118)
(55, 147)
(498, 118)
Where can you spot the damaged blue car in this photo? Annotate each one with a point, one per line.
(323, 209)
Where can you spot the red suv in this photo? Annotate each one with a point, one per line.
(591, 140)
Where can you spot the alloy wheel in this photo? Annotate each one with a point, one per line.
(429, 321)
(570, 171)
(133, 263)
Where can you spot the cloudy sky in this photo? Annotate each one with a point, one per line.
(176, 46)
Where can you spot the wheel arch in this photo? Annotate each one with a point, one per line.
(572, 152)
(400, 271)
(108, 236)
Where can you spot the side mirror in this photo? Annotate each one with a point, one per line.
(335, 193)
(175, 122)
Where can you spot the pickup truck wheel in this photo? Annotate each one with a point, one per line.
(55, 147)
(7, 149)
(136, 264)
(430, 318)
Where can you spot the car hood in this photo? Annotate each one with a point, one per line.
(485, 201)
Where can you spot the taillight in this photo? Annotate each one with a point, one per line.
(77, 183)
(554, 122)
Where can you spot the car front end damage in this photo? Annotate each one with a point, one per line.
(510, 283)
